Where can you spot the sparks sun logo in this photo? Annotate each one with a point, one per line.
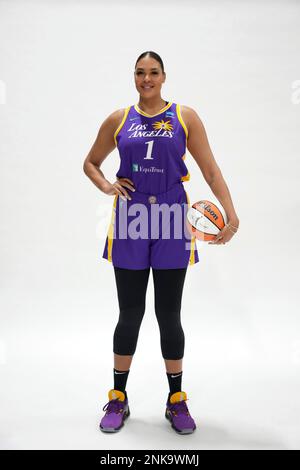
(163, 125)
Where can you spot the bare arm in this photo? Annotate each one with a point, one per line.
(199, 148)
(102, 147)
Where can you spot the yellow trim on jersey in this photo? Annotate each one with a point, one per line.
(186, 177)
(122, 123)
(110, 234)
(193, 239)
(152, 115)
(178, 111)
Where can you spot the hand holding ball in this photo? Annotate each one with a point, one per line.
(205, 220)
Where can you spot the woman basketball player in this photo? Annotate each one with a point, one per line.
(152, 137)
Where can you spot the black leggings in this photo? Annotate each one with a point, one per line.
(132, 287)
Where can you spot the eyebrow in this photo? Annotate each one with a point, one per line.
(153, 68)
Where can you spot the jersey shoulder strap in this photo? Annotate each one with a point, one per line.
(178, 112)
(126, 111)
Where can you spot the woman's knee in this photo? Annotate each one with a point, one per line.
(127, 330)
(172, 340)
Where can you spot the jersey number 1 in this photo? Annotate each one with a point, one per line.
(149, 150)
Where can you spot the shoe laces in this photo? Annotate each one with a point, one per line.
(180, 407)
(113, 406)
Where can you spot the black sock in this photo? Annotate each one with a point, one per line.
(174, 382)
(120, 379)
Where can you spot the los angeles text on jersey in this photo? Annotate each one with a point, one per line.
(161, 129)
(153, 459)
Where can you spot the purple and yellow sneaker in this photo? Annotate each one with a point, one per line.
(178, 414)
(117, 410)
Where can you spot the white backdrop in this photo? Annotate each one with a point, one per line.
(64, 67)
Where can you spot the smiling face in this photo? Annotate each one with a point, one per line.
(149, 77)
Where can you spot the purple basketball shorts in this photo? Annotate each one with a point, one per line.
(150, 230)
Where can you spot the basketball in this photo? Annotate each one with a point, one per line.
(205, 219)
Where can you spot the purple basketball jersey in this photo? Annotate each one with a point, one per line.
(152, 148)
